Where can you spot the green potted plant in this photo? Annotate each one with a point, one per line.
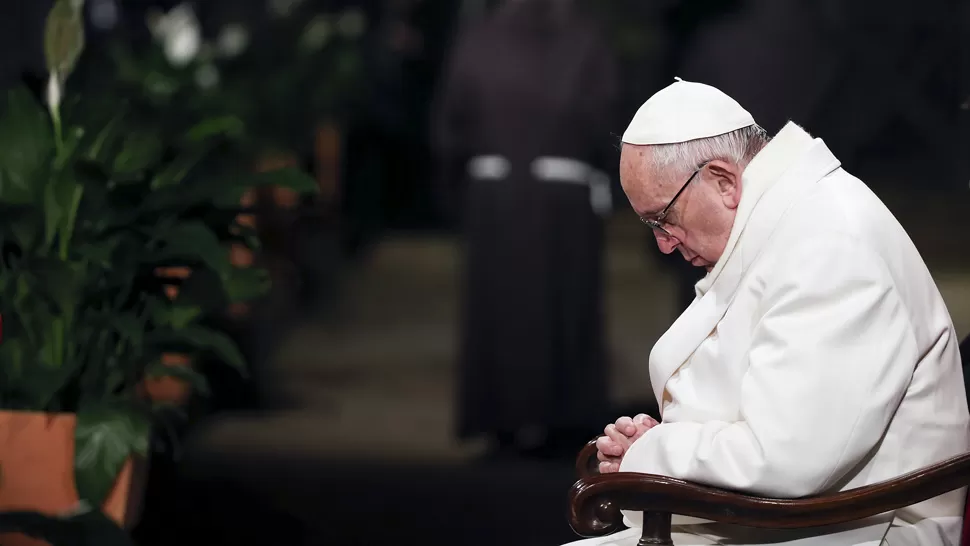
(283, 91)
(292, 82)
(90, 212)
(300, 67)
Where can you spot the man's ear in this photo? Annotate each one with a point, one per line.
(727, 176)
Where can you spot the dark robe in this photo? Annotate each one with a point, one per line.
(523, 83)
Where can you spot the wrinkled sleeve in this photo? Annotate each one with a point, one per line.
(830, 360)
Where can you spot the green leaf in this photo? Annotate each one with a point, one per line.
(104, 137)
(139, 151)
(15, 188)
(69, 146)
(61, 281)
(195, 380)
(205, 339)
(41, 382)
(178, 169)
(225, 125)
(22, 291)
(246, 284)
(194, 241)
(291, 178)
(60, 197)
(104, 439)
(12, 357)
(114, 381)
(130, 328)
(26, 148)
(99, 252)
(228, 197)
(23, 224)
(203, 289)
(176, 316)
(68, 222)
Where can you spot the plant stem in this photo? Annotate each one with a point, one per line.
(58, 130)
(68, 232)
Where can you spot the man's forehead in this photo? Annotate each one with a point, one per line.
(633, 165)
(636, 176)
(632, 153)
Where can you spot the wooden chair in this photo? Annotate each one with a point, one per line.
(595, 500)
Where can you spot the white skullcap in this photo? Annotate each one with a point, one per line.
(685, 111)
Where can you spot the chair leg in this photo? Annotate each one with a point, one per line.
(656, 530)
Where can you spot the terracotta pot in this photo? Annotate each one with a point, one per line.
(282, 198)
(169, 389)
(175, 274)
(240, 256)
(37, 464)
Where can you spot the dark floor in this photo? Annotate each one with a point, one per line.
(282, 501)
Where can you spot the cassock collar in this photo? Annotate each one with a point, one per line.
(768, 166)
(787, 167)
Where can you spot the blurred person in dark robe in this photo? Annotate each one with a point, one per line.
(521, 132)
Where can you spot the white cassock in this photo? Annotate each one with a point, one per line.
(818, 356)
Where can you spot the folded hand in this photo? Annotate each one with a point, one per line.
(619, 437)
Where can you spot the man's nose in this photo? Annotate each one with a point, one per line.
(666, 243)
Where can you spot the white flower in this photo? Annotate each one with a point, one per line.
(207, 76)
(352, 23)
(53, 93)
(317, 33)
(163, 24)
(232, 40)
(182, 46)
(179, 31)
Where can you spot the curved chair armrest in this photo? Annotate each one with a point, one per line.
(595, 501)
(587, 464)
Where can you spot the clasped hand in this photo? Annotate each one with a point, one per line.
(611, 448)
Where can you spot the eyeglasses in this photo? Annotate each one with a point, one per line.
(657, 223)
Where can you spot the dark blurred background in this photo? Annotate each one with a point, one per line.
(347, 431)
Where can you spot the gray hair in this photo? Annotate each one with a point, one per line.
(738, 147)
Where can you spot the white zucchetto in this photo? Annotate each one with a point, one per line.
(685, 111)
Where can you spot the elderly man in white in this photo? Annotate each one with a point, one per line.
(818, 354)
